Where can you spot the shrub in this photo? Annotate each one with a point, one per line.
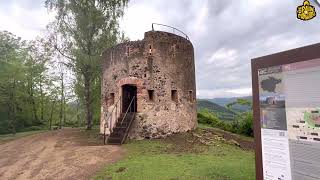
(206, 117)
(242, 125)
(246, 123)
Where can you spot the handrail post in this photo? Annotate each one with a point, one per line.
(132, 118)
(107, 120)
(104, 134)
(127, 109)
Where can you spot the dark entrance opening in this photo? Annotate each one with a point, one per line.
(128, 93)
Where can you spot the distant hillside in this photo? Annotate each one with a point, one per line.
(222, 112)
(224, 101)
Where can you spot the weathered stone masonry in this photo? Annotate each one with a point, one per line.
(161, 67)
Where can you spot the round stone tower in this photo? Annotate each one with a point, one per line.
(158, 72)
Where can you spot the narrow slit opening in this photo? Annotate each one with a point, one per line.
(111, 98)
(174, 95)
(150, 49)
(190, 96)
(151, 95)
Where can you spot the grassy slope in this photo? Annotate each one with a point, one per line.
(162, 159)
(217, 130)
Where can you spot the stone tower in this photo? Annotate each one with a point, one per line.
(159, 71)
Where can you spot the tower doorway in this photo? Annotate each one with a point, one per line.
(128, 93)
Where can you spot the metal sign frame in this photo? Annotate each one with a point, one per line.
(287, 57)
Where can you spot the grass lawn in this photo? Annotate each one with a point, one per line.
(178, 157)
(9, 137)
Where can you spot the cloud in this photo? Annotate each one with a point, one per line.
(25, 18)
(223, 58)
(214, 93)
(226, 34)
(138, 19)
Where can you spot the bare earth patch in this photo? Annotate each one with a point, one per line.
(61, 154)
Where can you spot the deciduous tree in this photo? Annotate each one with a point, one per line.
(81, 31)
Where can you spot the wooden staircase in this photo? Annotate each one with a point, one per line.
(121, 130)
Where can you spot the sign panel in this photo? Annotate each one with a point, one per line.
(286, 95)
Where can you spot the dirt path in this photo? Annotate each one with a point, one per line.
(60, 154)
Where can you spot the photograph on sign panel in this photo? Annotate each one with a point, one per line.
(272, 99)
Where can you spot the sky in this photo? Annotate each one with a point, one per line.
(226, 34)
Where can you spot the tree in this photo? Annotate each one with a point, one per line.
(240, 101)
(39, 53)
(12, 54)
(243, 120)
(81, 31)
(24, 83)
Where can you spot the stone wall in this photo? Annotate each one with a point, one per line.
(161, 62)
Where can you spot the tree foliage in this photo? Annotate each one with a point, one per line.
(242, 124)
(22, 82)
(82, 29)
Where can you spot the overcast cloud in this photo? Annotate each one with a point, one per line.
(226, 34)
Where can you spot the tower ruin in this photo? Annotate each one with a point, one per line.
(153, 78)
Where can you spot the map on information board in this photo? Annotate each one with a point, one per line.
(290, 120)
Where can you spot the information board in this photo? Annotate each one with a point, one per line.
(286, 99)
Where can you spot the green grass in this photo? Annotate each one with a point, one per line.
(10, 137)
(160, 159)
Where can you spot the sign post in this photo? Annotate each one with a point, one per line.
(286, 110)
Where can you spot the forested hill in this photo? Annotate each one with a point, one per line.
(222, 112)
(236, 107)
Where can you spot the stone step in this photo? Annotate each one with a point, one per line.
(127, 118)
(114, 140)
(124, 124)
(119, 130)
(116, 134)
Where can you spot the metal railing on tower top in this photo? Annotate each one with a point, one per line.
(173, 29)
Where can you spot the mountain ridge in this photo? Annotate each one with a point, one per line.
(223, 113)
(224, 101)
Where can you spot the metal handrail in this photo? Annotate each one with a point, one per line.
(128, 109)
(127, 130)
(187, 37)
(107, 118)
(113, 108)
